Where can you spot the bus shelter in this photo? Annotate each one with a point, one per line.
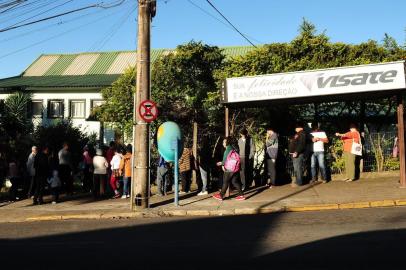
(323, 85)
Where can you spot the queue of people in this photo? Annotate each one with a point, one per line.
(305, 148)
(100, 173)
(109, 173)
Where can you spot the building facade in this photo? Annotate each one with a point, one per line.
(68, 86)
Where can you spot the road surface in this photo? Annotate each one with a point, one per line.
(343, 239)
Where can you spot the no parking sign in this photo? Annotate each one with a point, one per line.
(148, 111)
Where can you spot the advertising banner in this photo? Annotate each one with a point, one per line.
(337, 81)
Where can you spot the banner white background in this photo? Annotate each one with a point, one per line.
(365, 78)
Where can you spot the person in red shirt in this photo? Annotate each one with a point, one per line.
(349, 158)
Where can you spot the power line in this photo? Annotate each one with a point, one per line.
(235, 28)
(58, 35)
(49, 18)
(27, 9)
(43, 12)
(11, 6)
(97, 45)
(219, 20)
(97, 5)
(29, 32)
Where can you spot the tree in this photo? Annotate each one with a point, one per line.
(63, 131)
(118, 108)
(184, 80)
(15, 125)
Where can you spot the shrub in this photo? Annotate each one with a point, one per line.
(54, 136)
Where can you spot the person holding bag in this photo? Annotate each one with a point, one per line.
(231, 167)
(352, 148)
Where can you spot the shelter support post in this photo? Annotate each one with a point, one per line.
(401, 141)
(226, 113)
(226, 133)
(194, 148)
(362, 116)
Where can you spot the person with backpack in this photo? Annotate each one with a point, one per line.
(185, 169)
(231, 168)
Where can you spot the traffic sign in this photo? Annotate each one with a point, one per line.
(148, 111)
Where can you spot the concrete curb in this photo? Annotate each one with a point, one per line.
(220, 212)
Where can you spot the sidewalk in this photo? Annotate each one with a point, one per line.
(368, 192)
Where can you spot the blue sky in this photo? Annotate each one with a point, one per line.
(178, 21)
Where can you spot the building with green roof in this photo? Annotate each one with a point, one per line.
(69, 85)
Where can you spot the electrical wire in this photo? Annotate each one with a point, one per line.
(50, 26)
(220, 21)
(36, 15)
(13, 5)
(58, 35)
(27, 9)
(99, 44)
(235, 28)
(97, 5)
(49, 18)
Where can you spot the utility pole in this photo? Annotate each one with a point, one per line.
(140, 171)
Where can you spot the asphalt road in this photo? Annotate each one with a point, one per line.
(346, 239)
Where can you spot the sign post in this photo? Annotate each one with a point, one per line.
(175, 143)
(170, 145)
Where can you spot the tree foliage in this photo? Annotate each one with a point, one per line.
(15, 125)
(183, 83)
(118, 107)
(63, 131)
(186, 83)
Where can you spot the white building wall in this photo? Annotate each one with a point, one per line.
(88, 127)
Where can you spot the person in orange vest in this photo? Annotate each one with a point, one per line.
(349, 158)
(125, 171)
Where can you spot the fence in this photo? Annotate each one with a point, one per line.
(378, 154)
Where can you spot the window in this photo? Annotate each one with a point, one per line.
(55, 108)
(96, 103)
(77, 108)
(36, 108)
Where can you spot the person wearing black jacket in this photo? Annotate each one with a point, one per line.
(297, 148)
(41, 165)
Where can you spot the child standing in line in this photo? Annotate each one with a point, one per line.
(55, 184)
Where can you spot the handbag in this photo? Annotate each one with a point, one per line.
(356, 148)
(8, 183)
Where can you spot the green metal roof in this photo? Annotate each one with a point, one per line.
(37, 82)
(103, 63)
(95, 69)
(60, 65)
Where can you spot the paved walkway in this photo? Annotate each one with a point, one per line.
(369, 192)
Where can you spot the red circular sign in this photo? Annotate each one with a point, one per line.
(148, 111)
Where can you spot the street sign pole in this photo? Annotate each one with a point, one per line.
(176, 169)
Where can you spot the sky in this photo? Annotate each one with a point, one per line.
(180, 21)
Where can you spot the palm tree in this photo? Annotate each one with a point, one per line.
(15, 118)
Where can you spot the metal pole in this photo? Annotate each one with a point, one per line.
(227, 131)
(176, 164)
(401, 141)
(141, 138)
(194, 174)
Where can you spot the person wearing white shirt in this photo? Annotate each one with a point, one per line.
(319, 138)
(115, 175)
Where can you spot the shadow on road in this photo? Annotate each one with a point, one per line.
(234, 242)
